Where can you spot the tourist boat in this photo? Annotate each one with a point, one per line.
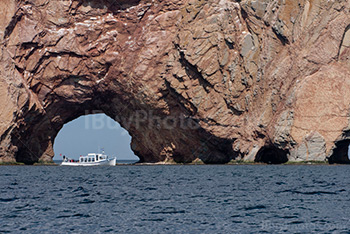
(91, 159)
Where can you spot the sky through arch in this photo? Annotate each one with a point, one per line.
(93, 133)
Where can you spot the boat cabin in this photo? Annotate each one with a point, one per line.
(93, 158)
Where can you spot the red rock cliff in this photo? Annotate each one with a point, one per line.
(216, 80)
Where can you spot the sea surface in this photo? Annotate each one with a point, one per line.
(175, 199)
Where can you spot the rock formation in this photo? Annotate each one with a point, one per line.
(217, 80)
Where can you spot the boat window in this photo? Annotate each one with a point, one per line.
(85, 159)
(89, 159)
(93, 159)
(96, 158)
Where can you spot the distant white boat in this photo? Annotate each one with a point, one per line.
(91, 159)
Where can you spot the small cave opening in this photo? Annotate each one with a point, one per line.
(93, 133)
(340, 153)
(272, 155)
(111, 5)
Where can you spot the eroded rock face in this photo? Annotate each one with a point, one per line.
(215, 80)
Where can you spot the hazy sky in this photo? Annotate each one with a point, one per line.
(90, 134)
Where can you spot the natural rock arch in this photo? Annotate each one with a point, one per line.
(116, 59)
(38, 134)
(208, 79)
(93, 133)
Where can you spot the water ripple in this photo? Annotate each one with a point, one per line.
(308, 192)
(10, 199)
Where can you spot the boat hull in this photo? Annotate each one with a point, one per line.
(110, 162)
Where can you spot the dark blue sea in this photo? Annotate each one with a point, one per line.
(175, 199)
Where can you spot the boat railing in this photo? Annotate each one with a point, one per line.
(89, 158)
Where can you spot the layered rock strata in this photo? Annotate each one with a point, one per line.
(215, 80)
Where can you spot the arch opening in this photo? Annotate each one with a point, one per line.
(271, 155)
(93, 133)
(340, 153)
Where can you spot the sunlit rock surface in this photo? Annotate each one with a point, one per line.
(215, 80)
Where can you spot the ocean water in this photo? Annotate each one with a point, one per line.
(175, 199)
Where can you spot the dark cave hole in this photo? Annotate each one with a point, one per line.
(112, 5)
(271, 155)
(340, 153)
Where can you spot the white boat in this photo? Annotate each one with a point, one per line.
(91, 159)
